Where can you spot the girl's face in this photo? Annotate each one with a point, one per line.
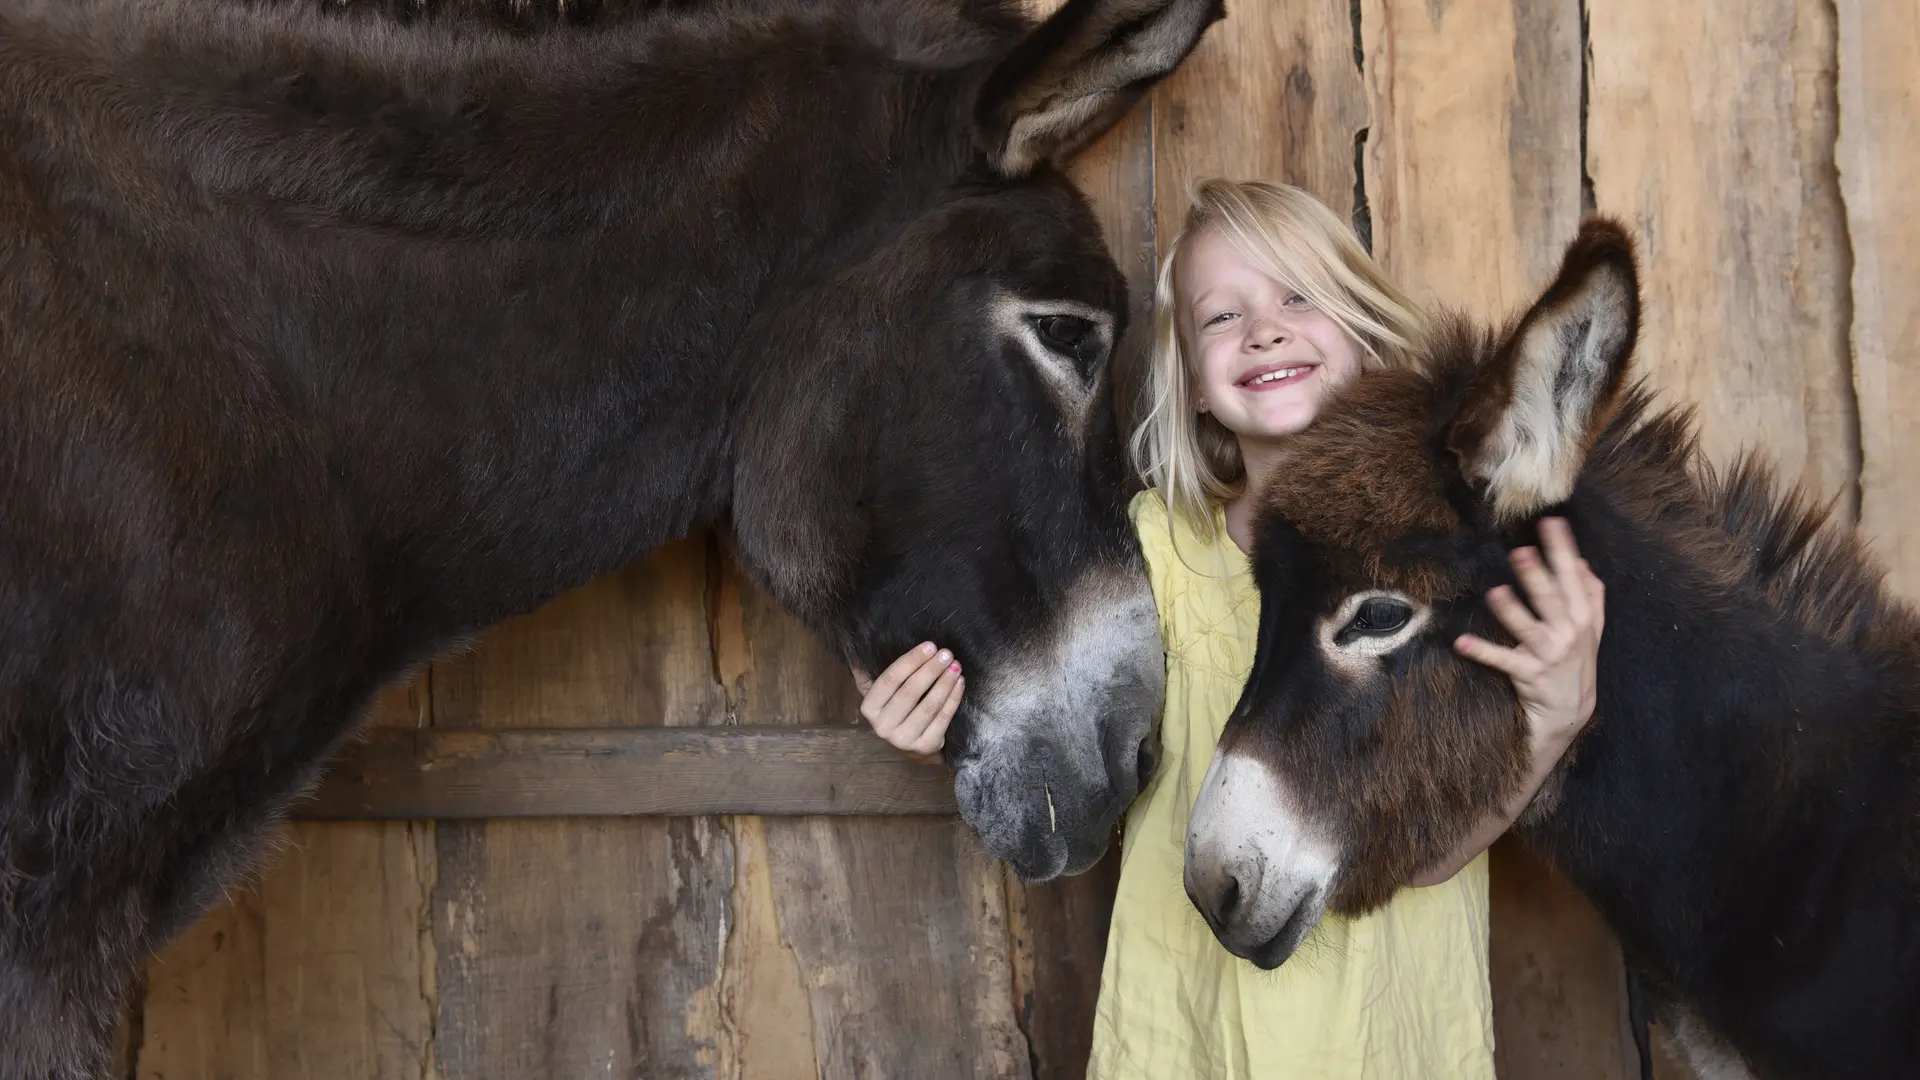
(1265, 357)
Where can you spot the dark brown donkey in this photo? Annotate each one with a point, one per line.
(1744, 808)
(325, 343)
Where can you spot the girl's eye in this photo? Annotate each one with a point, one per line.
(1220, 318)
(1296, 301)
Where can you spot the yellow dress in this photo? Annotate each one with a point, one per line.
(1400, 993)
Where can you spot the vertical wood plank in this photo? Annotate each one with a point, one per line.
(1473, 179)
(1711, 133)
(1473, 159)
(585, 948)
(896, 926)
(1879, 157)
(1272, 93)
(319, 969)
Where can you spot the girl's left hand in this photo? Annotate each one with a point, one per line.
(1558, 649)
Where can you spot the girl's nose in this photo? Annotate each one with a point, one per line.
(1266, 334)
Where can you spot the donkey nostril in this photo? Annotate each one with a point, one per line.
(1146, 760)
(1228, 899)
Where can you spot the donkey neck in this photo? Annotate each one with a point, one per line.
(491, 293)
(1746, 734)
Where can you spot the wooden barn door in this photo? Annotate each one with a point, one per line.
(639, 834)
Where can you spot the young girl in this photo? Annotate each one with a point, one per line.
(1266, 304)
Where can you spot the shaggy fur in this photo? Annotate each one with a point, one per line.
(1744, 808)
(327, 340)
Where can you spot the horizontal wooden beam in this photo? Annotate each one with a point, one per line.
(468, 773)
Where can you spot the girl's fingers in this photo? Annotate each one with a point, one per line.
(883, 688)
(914, 726)
(1543, 592)
(1519, 622)
(1515, 663)
(930, 741)
(1563, 556)
(1596, 597)
(913, 691)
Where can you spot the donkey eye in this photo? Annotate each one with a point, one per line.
(1380, 616)
(1070, 336)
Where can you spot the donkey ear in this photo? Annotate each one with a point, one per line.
(1076, 73)
(1527, 421)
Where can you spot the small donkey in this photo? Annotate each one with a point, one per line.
(1744, 808)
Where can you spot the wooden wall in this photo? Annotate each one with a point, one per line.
(1763, 151)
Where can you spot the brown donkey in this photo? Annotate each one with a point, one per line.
(1744, 808)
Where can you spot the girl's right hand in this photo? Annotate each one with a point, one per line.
(913, 701)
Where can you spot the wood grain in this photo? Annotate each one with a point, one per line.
(1473, 159)
(627, 772)
(1710, 133)
(572, 948)
(1879, 158)
(896, 925)
(1271, 93)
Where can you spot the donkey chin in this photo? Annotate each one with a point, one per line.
(1040, 785)
(1256, 869)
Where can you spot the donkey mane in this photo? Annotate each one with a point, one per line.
(1761, 534)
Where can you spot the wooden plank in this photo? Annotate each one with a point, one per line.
(1879, 156)
(1473, 159)
(1473, 180)
(571, 948)
(1711, 133)
(1271, 93)
(627, 772)
(894, 926)
(318, 970)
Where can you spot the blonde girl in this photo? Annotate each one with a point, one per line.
(1265, 305)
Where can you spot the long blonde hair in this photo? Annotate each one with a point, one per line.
(1292, 237)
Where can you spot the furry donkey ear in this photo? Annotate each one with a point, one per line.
(1075, 74)
(1531, 414)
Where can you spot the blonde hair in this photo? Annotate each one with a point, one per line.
(1292, 237)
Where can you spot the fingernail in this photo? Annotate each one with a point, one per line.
(927, 647)
(945, 656)
(954, 667)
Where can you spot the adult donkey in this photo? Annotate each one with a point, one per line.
(325, 343)
(1744, 809)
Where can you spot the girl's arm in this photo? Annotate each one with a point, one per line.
(913, 701)
(1552, 667)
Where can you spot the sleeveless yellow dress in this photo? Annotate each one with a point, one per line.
(1400, 994)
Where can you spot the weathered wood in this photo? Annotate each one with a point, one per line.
(626, 772)
(1710, 132)
(1879, 159)
(572, 948)
(1473, 179)
(318, 969)
(895, 925)
(1473, 158)
(1271, 93)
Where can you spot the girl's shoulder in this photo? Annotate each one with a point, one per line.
(1148, 510)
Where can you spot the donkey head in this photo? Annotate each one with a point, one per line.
(937, 458)
(1364, 748)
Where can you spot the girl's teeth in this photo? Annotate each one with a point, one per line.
(1276, 376)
